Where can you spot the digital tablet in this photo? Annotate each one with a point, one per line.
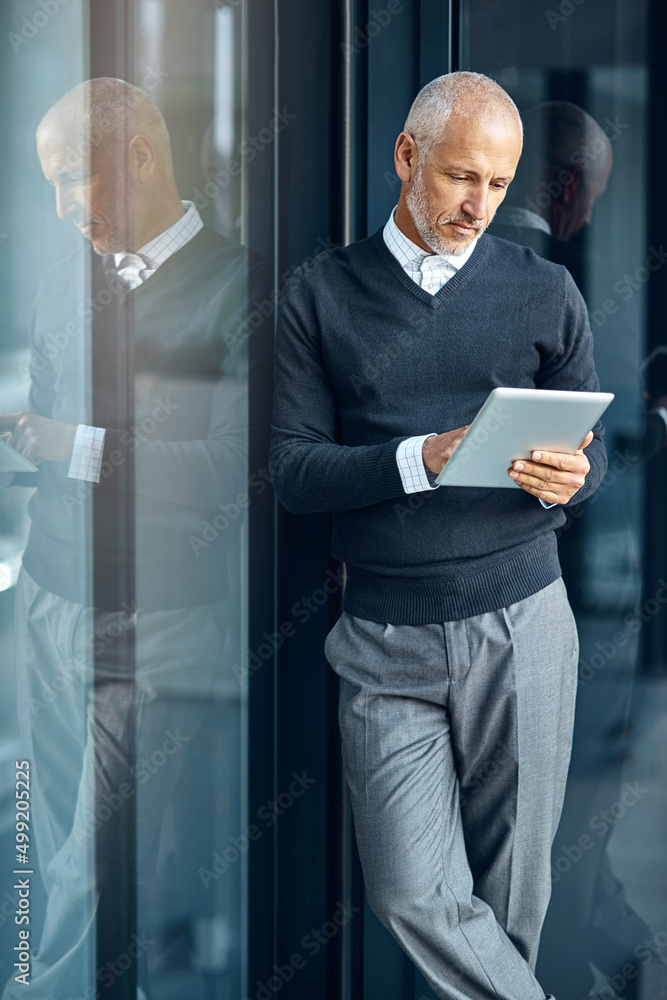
(514, 422)
(12, 460)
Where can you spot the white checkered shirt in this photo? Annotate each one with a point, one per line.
(134, 269)
(148, 258)
(430, 271)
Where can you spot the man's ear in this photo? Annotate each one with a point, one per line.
(406, 157)
(572, 190)
(142, 158)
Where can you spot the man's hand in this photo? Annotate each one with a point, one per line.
(551, 475)
(38, 438)
(439, 448)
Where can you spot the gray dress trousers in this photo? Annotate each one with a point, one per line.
(456, 741)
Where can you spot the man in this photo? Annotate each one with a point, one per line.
(120, 654)
(456, 648)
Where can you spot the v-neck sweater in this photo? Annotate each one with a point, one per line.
(185, 332)
(366, 358)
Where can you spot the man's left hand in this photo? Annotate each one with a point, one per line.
(551, 475)
(38, 438)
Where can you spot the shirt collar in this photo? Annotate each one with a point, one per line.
(522, 218)
(157, 250)
(407, 252)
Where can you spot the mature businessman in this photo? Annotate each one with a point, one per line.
(456, 649)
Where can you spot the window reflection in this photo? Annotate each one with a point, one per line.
(130, 612)
(579, 199)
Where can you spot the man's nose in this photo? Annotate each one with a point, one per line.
(476, 203)
(64, 202)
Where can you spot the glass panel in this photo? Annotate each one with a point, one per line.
(47, 661)
(578, 74)
(124, 583)
(190, 415)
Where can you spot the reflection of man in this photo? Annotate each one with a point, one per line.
(171, 294)
(564, 169)
(565, 166)
(457, 641)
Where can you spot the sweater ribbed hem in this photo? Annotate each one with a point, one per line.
(162, 587)
(401, 601)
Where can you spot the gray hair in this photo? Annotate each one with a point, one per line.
(468, 95)
(110, 113)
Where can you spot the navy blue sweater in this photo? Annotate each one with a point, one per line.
(187, 444)
(366, 358)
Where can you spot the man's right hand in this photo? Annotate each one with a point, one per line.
(439, 448)
(38, 438)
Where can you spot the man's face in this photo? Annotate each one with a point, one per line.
(93, 191)
(457, 188)
(573, 214)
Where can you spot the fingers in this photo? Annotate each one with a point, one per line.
(557, 460)
(553, 476)
(546, 475)
(439, 448)
(8, 421)
(460, 433)
(553, 483)
(549, 485)
(587, 440)
(22, 435)
(549, 496)
(550, 492)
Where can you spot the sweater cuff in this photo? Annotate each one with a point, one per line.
(381, 474)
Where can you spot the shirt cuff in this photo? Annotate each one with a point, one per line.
(410, 463)
(87, 454)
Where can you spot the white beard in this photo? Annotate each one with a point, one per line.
(427, 224)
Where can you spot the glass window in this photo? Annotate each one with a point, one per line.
(129, 357)
(579, 75)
